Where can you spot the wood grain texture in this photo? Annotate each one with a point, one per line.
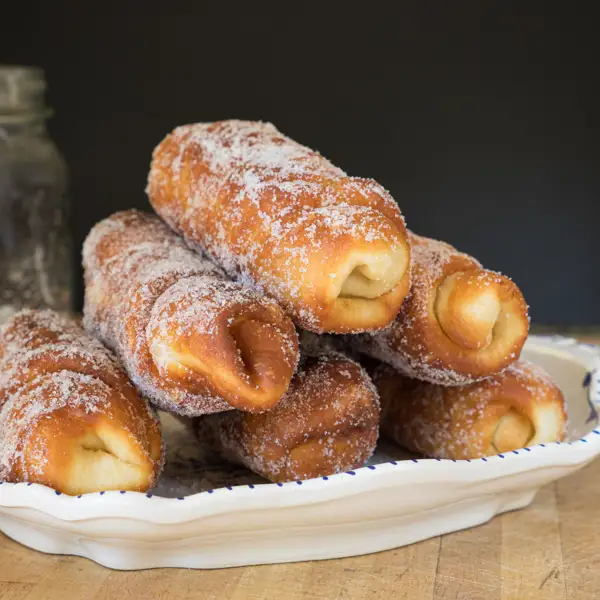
(532, 561)
(549, 551)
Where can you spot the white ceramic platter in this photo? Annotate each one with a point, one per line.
(387, 504)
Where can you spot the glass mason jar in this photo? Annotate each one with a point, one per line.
(35, 245)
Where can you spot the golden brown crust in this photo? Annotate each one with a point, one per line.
(69, 417)
(191, 341)
(508, 411)
(327, 423)
(459, 323)
(331, 249)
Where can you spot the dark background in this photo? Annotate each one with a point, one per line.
(479, 117)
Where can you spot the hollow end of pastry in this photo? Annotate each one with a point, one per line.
(367, 289)
(513, 431)
(471, 306)
(542, 420)
(101, 458)
(247, 362)
(368, 275)
(268, 356)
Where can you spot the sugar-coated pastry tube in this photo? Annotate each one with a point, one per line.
(330, 248)
(69, 417)
(191, 341)
(459, 323)
(519, 407)
(327, 423)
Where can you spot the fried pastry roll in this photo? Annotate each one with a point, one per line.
(330, 248)
(69, 417)
(519, 407)
(460, 322)
(191, 341)
(327, 423)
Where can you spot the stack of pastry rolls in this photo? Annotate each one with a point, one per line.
(192, 341)
(255, 238)
(198, 345)
(451, 383)
(334, 252)
(254, 235)
(459, 324)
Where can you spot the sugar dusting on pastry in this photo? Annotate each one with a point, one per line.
(48, 394)
(257, 194)
(416, 345)
(141, 281)
(332, 405)
(22, 348)
(459, 422)
(47, 365)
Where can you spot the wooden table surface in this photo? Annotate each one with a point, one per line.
(549, 551)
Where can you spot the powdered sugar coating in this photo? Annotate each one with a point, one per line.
(269, 210)
(143, 283)
(32, 342)
(22, 413)
(203, 300)
(47, 364)
(332, 405)
(460, 422)
(415, 343)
